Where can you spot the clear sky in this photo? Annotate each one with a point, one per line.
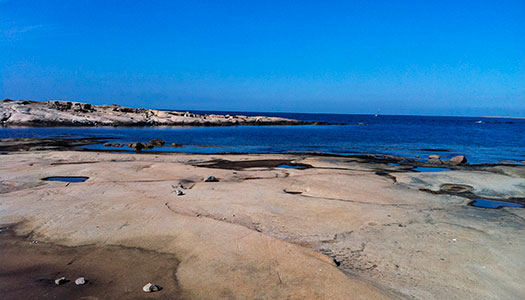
(401, 57)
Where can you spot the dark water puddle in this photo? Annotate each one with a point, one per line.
(245, 164)
(291, 166)
(430, 169)
(465, 191)
(485, 203)
(66, 178)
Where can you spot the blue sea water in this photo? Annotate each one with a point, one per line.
(480, 139)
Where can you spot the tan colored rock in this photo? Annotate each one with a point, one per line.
(458, 160)
(391, 240)
(434, 159)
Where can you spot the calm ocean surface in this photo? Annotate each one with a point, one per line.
(480, 139)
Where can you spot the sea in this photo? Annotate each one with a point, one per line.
(480, 139)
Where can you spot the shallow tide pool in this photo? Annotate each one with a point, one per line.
(430, 169)
(66, 178)
(485, 203)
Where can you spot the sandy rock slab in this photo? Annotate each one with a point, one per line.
(339, 228)
(123, 206)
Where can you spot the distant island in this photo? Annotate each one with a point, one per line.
(502, 117)
(68, 113)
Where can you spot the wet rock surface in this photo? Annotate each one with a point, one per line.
(114, 272)
(246, 164)
(36, 144)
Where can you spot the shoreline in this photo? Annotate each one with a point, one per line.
(77, 144)
(267, 231)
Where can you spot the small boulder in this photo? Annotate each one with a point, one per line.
(458, 160)
(150, 287)
(108, 145)
(137, 146)
(60, 281)
(80, 281)
(211, 179)
(157, 142)
(176, 145)
(434, 159)
(149, 146)
(179, 192)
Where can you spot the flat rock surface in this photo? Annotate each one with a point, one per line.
(338, 229)
(65, 113)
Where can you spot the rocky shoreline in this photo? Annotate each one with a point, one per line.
(257, 226)
(67, 113)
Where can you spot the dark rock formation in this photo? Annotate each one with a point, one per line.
(211, 179)
(137, 146)
(157, 142)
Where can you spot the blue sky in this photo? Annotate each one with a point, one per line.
(401, 57)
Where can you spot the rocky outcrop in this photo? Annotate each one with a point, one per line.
(458, 160)
(157, 142)
(66, 113)
(137, 146)
(434, 159)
